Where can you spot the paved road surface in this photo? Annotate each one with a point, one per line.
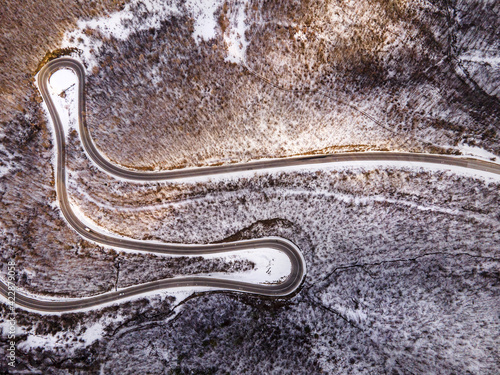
(298, 265)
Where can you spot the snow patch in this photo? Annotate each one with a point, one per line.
(5, 329)
(482, 58)
(356, 315)
(271, 266)
(63, 85)
(91, 333)
(300, 36)
(477, 152)
(62, 80)
(136, 16)
(6, 163)
(235, 37)
(203, 12)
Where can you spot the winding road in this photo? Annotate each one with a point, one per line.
(298, 269)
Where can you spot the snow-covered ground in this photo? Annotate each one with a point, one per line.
(477, 152)
(61, 80)
(6, 165)
(63, 85)
(140, 15)
(89, 333)
(271, 266)
(235, 37)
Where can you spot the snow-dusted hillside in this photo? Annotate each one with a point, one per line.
(402, 259)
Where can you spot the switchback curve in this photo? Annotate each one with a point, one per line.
(298, 264)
